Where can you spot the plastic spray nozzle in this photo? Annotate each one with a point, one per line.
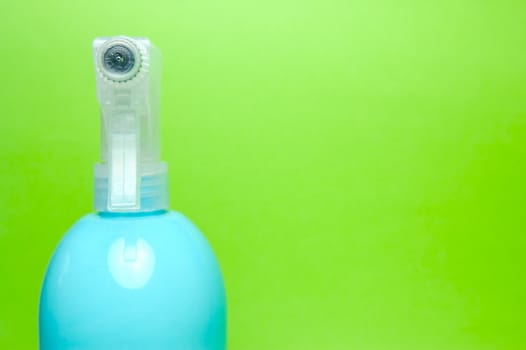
(130, 177)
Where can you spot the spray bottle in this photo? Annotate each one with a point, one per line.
(133, 275)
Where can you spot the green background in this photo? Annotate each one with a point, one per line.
(358, 166)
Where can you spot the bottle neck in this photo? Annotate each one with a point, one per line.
(152, 190)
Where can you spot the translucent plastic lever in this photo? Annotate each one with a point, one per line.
(131, 176)
(123, 161)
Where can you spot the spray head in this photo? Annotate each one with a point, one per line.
(130, 176)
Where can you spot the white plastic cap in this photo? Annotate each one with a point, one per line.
(131, 176)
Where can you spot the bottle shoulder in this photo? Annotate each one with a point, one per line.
(162, 215)
(169, 237)
(159, 220)
(169, 227)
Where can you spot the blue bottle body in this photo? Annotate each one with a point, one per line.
(133, 281)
